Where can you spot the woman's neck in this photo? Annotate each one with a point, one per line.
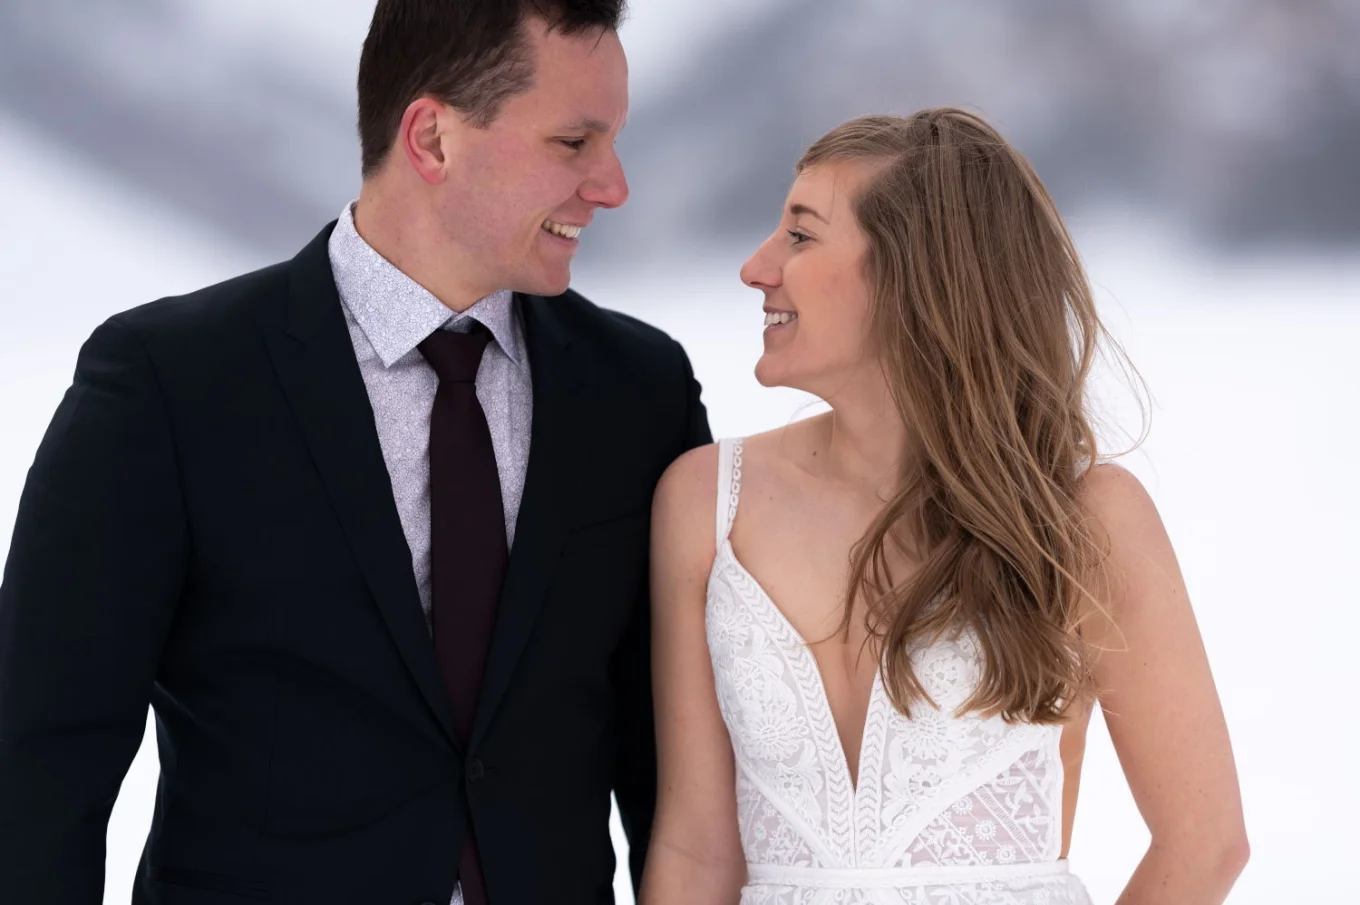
(865, 438)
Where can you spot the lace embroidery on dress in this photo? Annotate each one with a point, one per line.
(937, 791)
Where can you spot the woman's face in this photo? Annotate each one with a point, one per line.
(811, 271)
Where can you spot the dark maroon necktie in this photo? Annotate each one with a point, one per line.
(468, 551)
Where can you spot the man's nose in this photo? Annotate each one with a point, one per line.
(607, 186)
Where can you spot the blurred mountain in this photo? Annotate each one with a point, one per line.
(1239, 119)
(1236, 121)
(237, 132)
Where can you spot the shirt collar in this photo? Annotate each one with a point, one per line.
(395, 312)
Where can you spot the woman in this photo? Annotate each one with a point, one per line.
(876, 658)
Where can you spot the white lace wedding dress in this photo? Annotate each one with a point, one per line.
(948, 810)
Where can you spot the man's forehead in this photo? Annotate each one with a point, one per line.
(584, 98)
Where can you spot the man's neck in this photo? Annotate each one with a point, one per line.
(407, 242)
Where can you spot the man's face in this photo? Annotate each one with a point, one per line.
(519, 192)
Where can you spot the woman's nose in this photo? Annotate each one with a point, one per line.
(761, 270)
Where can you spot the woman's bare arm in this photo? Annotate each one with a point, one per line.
(695, 853)
(1161, 706)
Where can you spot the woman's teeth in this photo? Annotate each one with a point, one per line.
(559, 229)
(779, 317)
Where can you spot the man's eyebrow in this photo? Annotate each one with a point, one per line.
(589, 125)
(797, 209)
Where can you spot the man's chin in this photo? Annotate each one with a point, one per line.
(548, 285)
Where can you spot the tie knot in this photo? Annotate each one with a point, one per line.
(455, 356)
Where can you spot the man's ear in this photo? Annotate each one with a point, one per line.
(422, 138)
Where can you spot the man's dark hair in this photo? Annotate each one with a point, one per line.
(472, 54)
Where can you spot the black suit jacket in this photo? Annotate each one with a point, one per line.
(209, 526)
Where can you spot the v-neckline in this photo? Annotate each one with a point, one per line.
(824, 700)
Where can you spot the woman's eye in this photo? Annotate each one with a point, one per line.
(798, 238)
(575, 144)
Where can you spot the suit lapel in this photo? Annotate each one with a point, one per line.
(314, 358)
(540, 529)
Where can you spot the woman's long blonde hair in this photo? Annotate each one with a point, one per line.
(987, 332)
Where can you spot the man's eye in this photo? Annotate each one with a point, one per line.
(575, 144)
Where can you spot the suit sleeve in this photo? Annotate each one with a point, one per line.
(94, 571)
(635, 784)
(697, 432)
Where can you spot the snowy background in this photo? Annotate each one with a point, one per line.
(1204, 155)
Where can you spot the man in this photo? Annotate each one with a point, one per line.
(368, 529)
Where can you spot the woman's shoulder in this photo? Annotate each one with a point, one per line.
(1118, 501)
(683, 512)
(1138, 564)
(686, 493)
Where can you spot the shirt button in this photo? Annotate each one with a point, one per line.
(476, 770)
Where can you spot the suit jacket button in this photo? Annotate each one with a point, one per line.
(476, 770)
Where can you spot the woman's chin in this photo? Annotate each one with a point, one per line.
(770, 374)
(765, 374)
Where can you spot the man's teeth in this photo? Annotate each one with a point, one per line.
(558, 229)
(779, 317)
